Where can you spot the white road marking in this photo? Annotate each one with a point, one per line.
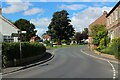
(113, 68)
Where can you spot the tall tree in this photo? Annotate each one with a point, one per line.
(85, 33)
(25, 25)
(60, 27)
(78, 37)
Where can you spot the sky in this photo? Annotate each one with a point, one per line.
(39, 12)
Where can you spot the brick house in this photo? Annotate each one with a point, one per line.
(113, 22)
(100, 21)
(35, 39)
(46, 37)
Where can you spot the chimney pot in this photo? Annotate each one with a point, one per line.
(105, 12)
(0, 11)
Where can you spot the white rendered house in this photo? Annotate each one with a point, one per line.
(6, 30)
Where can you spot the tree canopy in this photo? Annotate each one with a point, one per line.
(98, 32)
(78, 37)
(25, 25)
(85, 33)
(60, 27)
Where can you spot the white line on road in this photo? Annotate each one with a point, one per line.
(113, 68)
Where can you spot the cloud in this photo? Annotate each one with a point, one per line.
(13, 1)
(40, 31)
(76, 0)
(81, 20)
(89, 0)
(16, 7)
(41, 25)
(33, 11)
(40, 22)
(72, 7)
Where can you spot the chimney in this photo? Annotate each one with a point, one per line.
(0, 11)
(105, 13)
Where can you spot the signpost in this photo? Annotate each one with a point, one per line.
(19, 35)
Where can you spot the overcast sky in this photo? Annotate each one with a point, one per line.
(81, 13)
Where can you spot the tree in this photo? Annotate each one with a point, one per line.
(60, 27)
(98, 32)
(85, 33)
(25, 25)
(78, 37)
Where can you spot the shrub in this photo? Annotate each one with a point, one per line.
(113, 48)
(47, 42)
(103, 43)
(11, 51)
(63, 41)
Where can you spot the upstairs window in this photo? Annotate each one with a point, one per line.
(117, 14)
(108, 22)
(113, 16)
(119, 31)
(110, 19)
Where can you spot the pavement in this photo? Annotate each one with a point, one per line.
(14, 69)
(101, 55)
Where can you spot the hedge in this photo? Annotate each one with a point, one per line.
(11, 51)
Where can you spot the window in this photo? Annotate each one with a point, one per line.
(113, 17)
(8, 39)
(113, 34)
(5, 37)
(108, 22)
(110, 19)
(119, 31)
(117, 14)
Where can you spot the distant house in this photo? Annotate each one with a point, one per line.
(113, 22)
(46, 37)
(100, 21)
(6, 30)
(35, 39)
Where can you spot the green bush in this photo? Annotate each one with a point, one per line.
(11, 51)
(63, 41)
(103, 43)
(66, 42)
(113, 48)
(32, 49)
(47, 42)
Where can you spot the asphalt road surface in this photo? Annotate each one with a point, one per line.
(68, 63)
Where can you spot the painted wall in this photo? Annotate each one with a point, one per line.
(6, 28)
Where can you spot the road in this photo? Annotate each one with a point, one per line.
(68, 63)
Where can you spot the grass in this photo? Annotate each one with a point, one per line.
(60, 46)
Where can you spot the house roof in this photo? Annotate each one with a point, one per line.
(99, 20)
(113, 8)
(47, 36)
(6, 20)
